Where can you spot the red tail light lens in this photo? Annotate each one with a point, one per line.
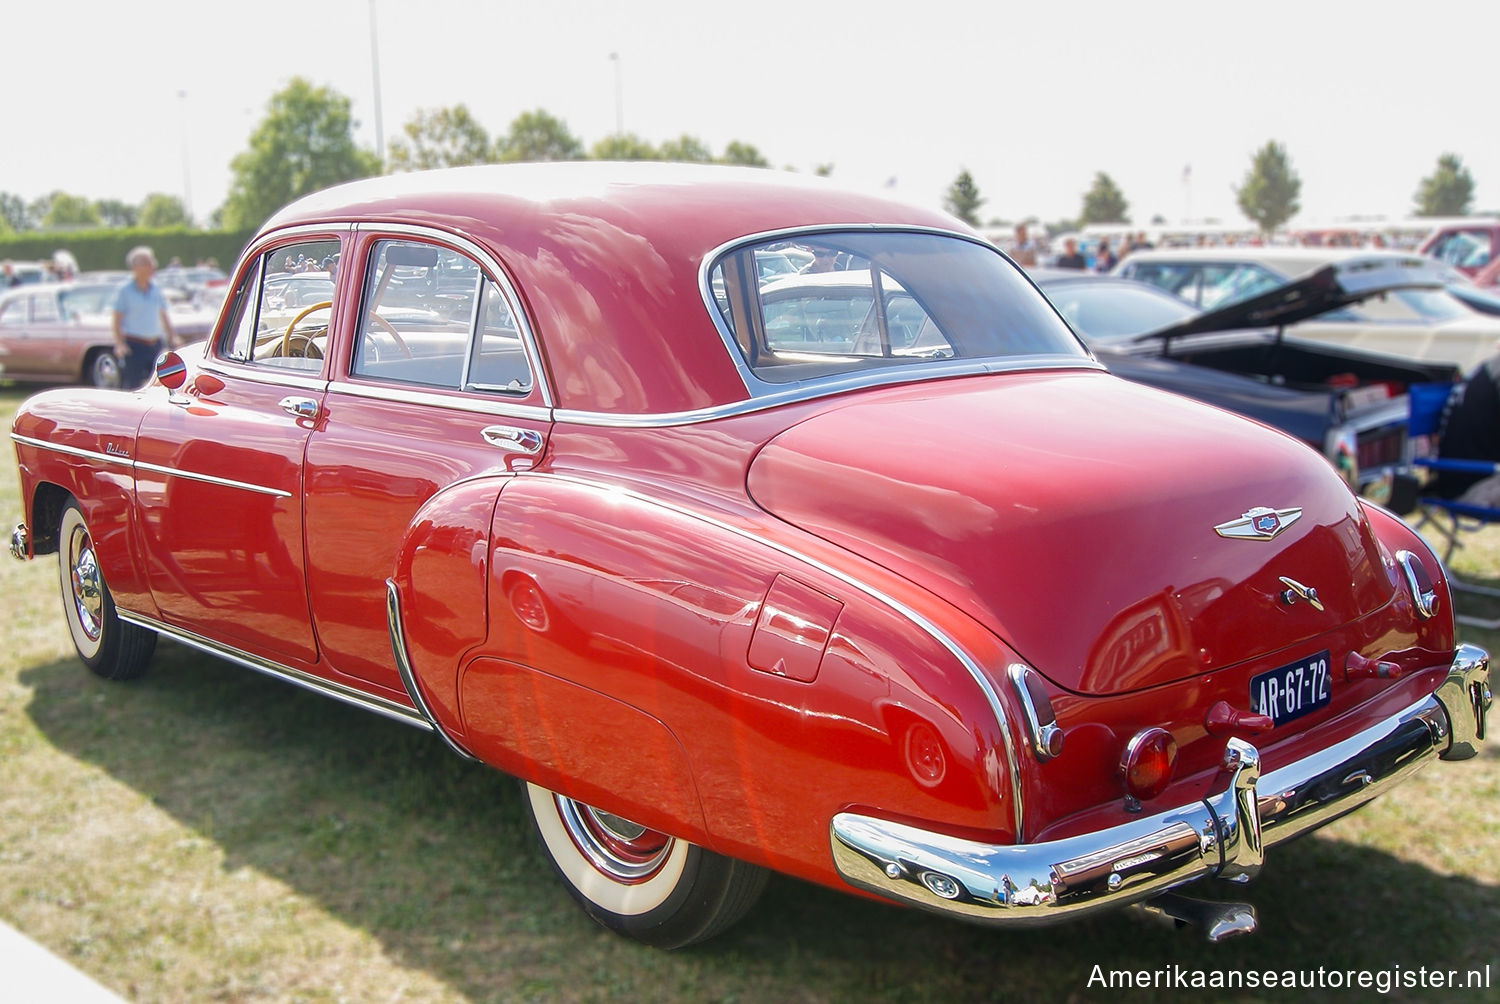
(1148, 762)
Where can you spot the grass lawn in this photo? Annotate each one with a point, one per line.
(210, 834)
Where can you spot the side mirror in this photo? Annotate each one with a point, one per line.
(171, 373)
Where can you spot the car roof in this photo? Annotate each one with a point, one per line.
(627, 242)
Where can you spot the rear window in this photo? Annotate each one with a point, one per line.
(836, 303)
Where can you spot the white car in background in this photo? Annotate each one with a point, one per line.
(1419, 321)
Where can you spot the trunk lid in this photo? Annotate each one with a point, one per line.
(1074, 515)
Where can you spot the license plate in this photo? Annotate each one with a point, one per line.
(1292, 691)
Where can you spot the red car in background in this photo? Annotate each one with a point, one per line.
(897, 591)
(1469, 245)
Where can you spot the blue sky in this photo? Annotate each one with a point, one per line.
(114, 100)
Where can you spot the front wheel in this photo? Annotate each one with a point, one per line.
(107, 645)
(636, 881)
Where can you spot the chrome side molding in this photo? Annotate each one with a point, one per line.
(403, 668)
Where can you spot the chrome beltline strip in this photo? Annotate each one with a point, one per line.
(337, 691)
(900, 608)
(828, 387)
(497, 408)
(74, 451)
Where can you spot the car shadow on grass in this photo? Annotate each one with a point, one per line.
(379, 825)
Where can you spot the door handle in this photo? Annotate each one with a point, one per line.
(300, 407)
(514, 440)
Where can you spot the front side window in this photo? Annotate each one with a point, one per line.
(283, 307)
(431, 317)
(864, 301)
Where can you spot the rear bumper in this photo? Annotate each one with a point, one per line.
(1222, 836)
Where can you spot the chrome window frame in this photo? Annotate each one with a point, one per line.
(489, 268)
(837, 383)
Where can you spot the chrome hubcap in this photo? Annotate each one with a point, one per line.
(623, 850)
(87, 591)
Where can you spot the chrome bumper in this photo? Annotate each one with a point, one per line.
(1222, 836)
(20, 543)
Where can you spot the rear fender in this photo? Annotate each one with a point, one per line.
(637, 661)
(442, 580)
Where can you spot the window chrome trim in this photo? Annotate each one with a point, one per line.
(827, 387)
(449, 399)
(261, 374)
(759, 388)
(489, 267)
(339, 692)
(926, 626)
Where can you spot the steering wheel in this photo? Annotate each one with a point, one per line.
(285, 349)
(395, 336)
(310, 349)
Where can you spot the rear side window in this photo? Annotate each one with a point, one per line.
(431, 317)
(828, 304)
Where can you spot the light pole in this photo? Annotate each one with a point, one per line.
(614, 57)
(375, 73)
(187, 184)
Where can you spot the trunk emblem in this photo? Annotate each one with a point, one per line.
(1259, 523)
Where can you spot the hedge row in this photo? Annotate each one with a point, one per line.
(96, 249)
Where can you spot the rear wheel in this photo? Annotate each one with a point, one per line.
(636, 881)
(107, 645)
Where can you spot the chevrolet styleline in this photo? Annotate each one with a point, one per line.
(897, 591)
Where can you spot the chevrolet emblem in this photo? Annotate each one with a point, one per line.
(1259, 523)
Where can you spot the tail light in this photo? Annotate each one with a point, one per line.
(1148, 762)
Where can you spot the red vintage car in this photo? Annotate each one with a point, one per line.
(900, 593)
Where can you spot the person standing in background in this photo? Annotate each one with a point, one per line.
(142, 328)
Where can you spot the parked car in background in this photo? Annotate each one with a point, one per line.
(1469, 245)
(1349, 405)
(62, 333)
(920, 602)
(1417, 318)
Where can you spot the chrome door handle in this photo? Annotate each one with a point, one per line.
(515, 440)
(300, 407)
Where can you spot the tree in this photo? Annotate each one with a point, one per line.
(305, 142)
(441, 137)
(1448, 191)
(622, 146)
(1104, 202)
(163, 210)
(537, 135)
(67, 210)
(963, 199)
(687, 149)
(1269, 194)
(14, 212)
(116, 212)
(744, 155)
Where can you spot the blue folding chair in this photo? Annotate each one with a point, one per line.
(1448, 517)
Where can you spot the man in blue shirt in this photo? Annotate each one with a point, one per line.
(142, 328)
